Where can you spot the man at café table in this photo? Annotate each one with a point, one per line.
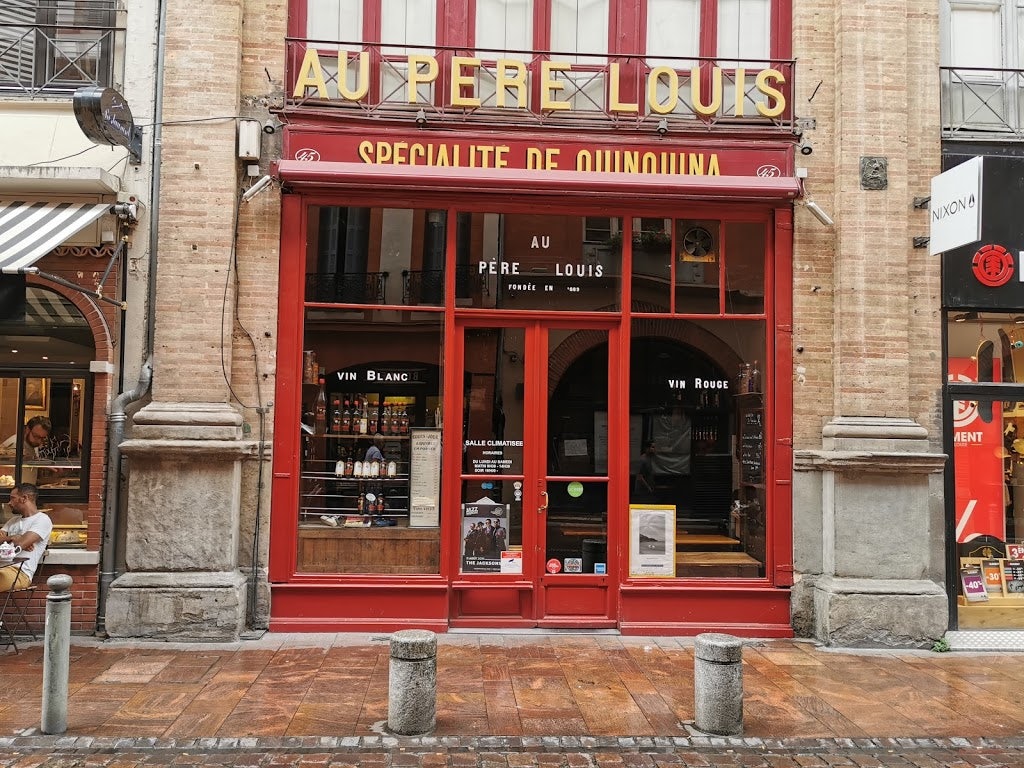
(29, 529)
(37, 429)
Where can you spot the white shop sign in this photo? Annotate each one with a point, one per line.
(955, 208)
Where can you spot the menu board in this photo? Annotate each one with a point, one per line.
(752, 445)
(425, 478)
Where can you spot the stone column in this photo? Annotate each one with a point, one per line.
(183, 580)
(868, 516)
(184, 454)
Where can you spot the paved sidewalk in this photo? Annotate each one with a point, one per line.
(512, 685)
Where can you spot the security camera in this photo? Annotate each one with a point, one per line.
(818, 213)
(270, 126)
(663, 126)
(256, 188)
(805, 148)
(421, 118)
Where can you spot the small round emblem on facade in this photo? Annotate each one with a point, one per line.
(992, 265)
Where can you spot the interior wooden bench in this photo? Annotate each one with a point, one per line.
(705, 541)
(720, 564)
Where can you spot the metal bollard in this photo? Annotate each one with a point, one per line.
(718, 684)
(412, 682)
(56, 654)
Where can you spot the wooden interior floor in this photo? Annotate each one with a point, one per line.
(515, 685)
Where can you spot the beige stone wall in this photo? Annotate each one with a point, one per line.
(865, 301)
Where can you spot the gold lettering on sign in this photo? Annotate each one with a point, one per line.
(549, 85)
(460, 81)
(416, 78)
(511, 81)
(614, 105)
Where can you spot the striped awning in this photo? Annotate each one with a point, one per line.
(29, 231)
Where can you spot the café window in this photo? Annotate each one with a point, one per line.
(45, 395)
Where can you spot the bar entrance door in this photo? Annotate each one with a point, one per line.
(536, 547)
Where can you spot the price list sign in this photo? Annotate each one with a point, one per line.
(752, 446)
(425, 479)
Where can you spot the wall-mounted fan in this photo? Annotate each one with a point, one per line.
(698, 242)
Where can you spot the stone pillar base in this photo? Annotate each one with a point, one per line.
(183, 606)
(879, 613)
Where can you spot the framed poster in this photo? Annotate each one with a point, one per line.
(652, 540)
(35, 394)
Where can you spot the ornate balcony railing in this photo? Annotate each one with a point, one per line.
(503, 87)
(427, 286)
(350, 288)
(979, 103)
(57, 46)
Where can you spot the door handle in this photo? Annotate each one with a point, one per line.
(543, 507)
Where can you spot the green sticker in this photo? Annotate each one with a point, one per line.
(575, 489)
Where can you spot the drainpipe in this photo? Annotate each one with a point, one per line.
(109, 549)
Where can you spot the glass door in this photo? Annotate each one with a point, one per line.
(533, 520)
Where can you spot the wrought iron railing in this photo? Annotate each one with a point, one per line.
(49, 46)
(347, 288)
(982, 103)
(427, 286)
(348, 66)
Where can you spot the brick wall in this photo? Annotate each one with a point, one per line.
(865, 301)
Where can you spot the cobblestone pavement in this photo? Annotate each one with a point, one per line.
(507, 752)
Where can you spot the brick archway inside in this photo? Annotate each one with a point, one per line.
(686, 334)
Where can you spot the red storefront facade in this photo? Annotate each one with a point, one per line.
(514, 301)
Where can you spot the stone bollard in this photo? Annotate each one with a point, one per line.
(56, 655)
(412, 682)
(718, 684)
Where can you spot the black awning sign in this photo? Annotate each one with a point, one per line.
(105, 118)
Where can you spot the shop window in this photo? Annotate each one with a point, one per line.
(370, 438)
(985, 411)
(679, 265)
(377, 256)
(745, 267)
(56, 45)
(697, 436)
(540, 261)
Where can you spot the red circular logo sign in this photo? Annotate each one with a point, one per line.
(554, 565)
(992, 265)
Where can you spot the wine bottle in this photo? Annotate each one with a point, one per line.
(320, 410)
(336, 415)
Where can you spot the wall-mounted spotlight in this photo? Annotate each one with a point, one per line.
(256, 188)
(1018, 320)
(421, 118)
(818, 213)
(805, 147)
(963, 317)
(270, 125)
(663, 126)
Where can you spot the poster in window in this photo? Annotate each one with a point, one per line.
(484, 536)
(652, 540)
(35, 394)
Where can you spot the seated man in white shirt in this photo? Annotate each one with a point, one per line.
(29, 529)
(37, 429)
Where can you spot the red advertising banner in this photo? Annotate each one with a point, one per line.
(978, 459)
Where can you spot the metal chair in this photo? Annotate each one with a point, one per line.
(15, 604)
